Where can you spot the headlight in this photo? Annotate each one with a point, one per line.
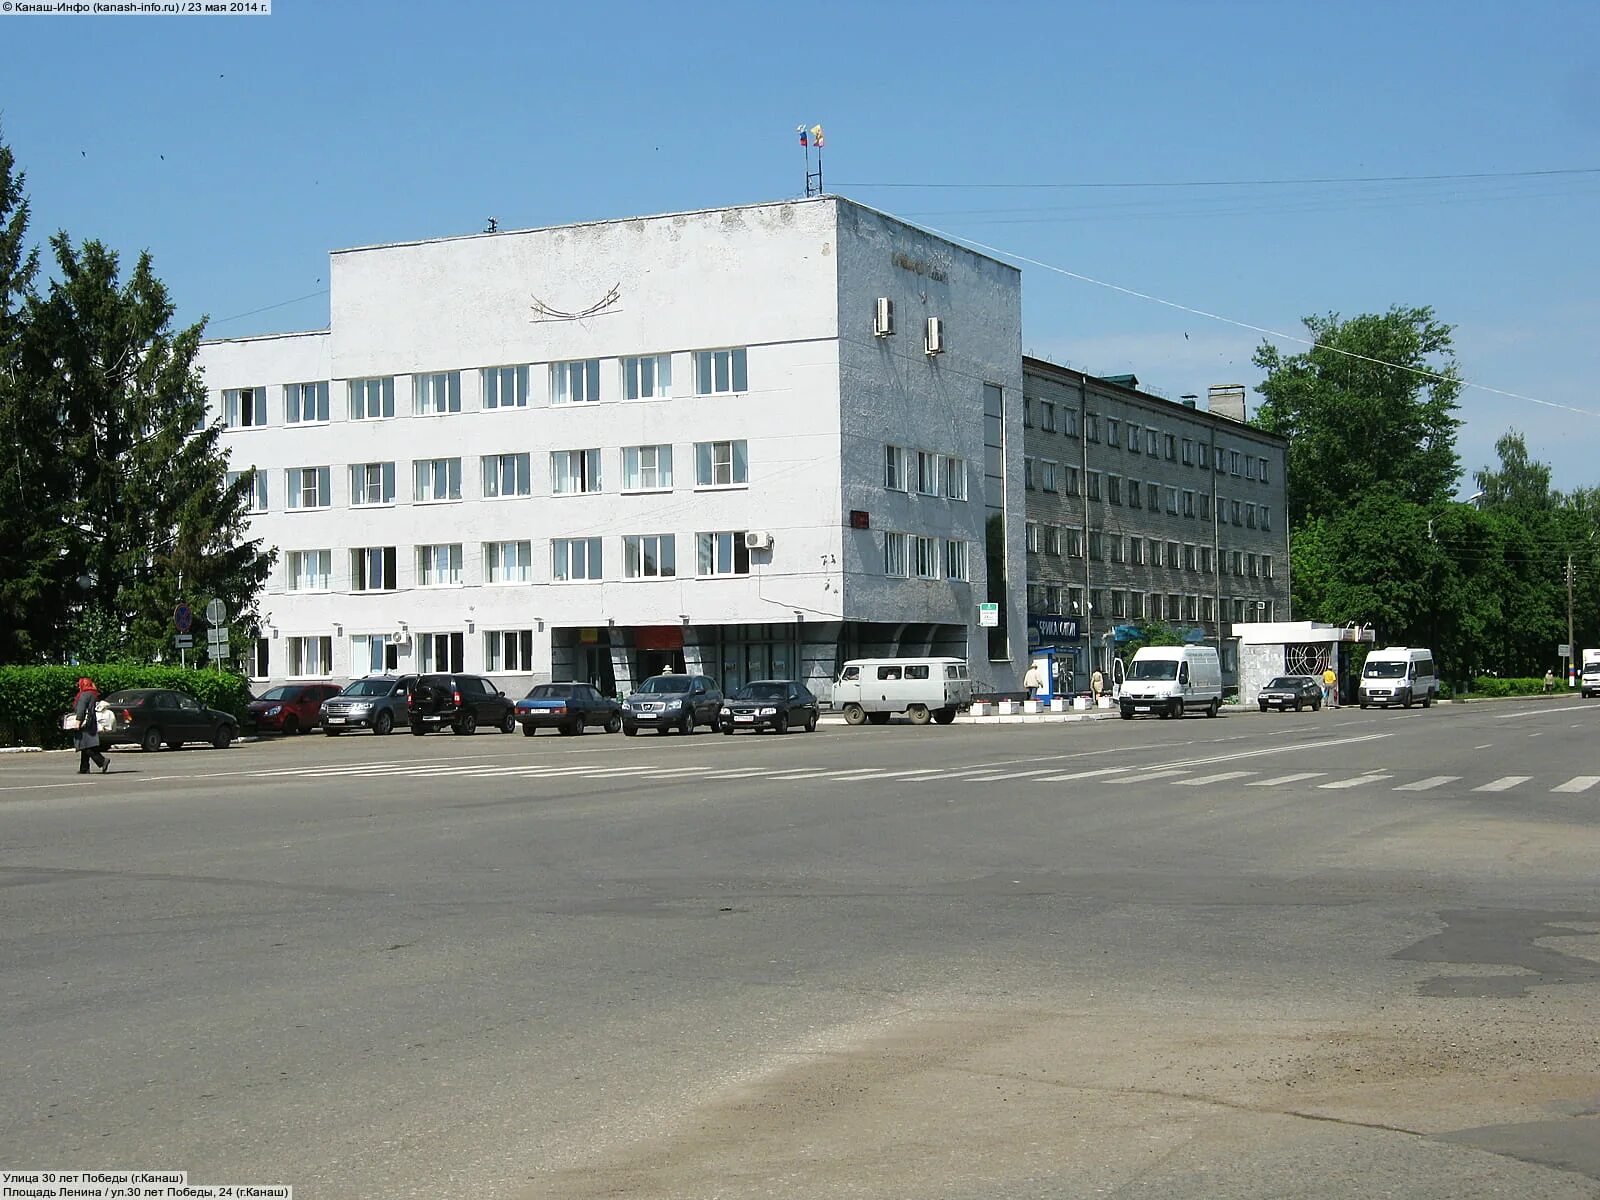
(273, 711)
(728, 708)
(365, 706)
(673, 704)
(769, 712)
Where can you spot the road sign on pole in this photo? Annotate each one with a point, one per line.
(183, 618)
(184, 641)
(216, 612)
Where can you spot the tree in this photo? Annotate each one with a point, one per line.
(1520, 482)
(1371, 404)
(117, 494)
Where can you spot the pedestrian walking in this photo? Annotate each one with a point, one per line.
(1033, 680)
(1549, 680)
(1330, 687)
(88, 737)
(1097, 684)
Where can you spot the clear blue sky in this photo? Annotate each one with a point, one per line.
(239, 151)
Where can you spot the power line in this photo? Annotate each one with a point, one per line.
(1261, 329)
(1183, 183)
(268, 308)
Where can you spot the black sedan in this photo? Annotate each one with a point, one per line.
(568, 707)
(775, 704)
(1291, 691)
(154, 717)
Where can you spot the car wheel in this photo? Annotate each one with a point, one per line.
(854, 714)
(1299, 705)
(570, 729)
(1127, 713)
(178, 745)
(1427, 700)
(332, 732)
(466, 725)
(919, 714)
(727, 728)
(811, 722)
(781, 725)
(945, 716)
(613, 723)
(528, 731)
(1263, 706)
(291, 725)
(629, 730)
(418, 729)
(221, 736)
(384, 724)
(151, 742)
(508, 723)
(686, 726)
(1316, 706)
(1216, 705)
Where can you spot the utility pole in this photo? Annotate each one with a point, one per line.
(1570, 647)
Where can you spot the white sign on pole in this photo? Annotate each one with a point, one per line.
(1564, 650)
(216, 612)
(989, 616)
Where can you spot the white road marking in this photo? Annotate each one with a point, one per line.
(1083, 774)
(1540, 712)
(1504, 783)
(1220, 777)
(1428, 784)
(1164, 773)
(1339, 784)
(1578, 783)
(1280, 780)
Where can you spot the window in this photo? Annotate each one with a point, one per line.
(505, 387)
(894, 468)
(1037, 596)
(1030, 474)
(575, 382)
(723, 553)
(1136, 551)
(1094, 485)
(1047, 475)
(508, 562)
(1152, 442)
(441, 652)
(1052, 597)
(720, 371)
(1118, 548)
(1172, 500)
(1266, 517)
(436, 393)
(256, 497)
(894, 554)
(1091, 427)
(261, 658)
(1249, 467)
(1174, 555)
(955, 560)
(648, 377)
(372, 483)
(1113, 432)
(1263, 470)
(1233, 462)
(1238, 564)
(955, 477)
(309, 570)
(1250, 515)
(244, 408)
(436, 479)
(927, 473)
(1205, 455)
(1097, 601)
(1097, 546)
(1135, 491)
(1170, 446)
(649, 556)
(925, 557)
(1074, 543)
(308, 487)
(1191, 608)
(1047, 416)
(372, 569)
(646, 468)
(1152, 497)
(1152, 550)
(1205, 507)
(1136, 606)
(1072, 481)
(1113, 489)
(310, 656)
(1174, 607)
(1250, 560)
(508, 650)
(1208, 608)
(574, 472)
(304, 402)
(720, 464)
(1052, 539)
(371, 399)
(507, 475)
(575, 558)
(1188, 453)
(1134, 436)
(1266, 566)
(1188, 504)
(439, 566)
(1190, 562)
(1031, 531)
(1236, 511)
(1207, 562)
(1069, 422)
(1075, 599)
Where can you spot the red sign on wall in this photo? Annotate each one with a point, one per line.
(658, 637)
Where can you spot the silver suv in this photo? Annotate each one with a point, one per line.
(377, 702)
(678, 702)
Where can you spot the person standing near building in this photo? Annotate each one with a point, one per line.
(1330, 687)
(88, 739)
(1033, 680)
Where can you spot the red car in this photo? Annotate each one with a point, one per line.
(288, 708)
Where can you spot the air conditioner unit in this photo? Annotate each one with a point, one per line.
(883, 317)
(935, 335)
(757, 539)
(396, 639)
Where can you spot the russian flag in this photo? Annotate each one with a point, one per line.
(802, 130)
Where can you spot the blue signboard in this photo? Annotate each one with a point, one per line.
(1046, 630)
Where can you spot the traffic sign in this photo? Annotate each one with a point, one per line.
(184, 641)
(216, 612)
(217, 633)
(1564, 650)
(183, 618)
(989, 616)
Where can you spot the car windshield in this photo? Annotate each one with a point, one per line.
(1287, 681)
(281, 692)
(1385, 670)
(128, 699)
(665, 683)
(762, 691)
(550, 691)
(369, 687)
(1155, 668)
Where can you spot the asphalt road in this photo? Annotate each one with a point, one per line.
(1335, 954)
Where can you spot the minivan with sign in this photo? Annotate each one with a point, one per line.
(924, 689)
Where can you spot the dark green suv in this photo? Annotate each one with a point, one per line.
(463, 702)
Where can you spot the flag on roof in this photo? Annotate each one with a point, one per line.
(802, 131)
(816, 136)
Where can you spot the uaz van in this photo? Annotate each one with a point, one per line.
(873, 689)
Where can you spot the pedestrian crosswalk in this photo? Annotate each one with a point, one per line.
(1039, 780)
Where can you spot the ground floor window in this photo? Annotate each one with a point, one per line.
(310, 656)
(438, 653)
(508, 650)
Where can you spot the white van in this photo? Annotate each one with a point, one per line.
(1170, 680)
(873, 689)
(1398, 675)
(1590, 680)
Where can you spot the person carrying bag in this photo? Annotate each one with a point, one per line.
(87, 727)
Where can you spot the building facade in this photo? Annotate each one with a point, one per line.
(750, 441)
(1142, 509)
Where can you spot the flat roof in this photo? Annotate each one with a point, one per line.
(1041, 366)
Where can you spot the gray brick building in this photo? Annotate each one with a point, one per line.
(1141, 509)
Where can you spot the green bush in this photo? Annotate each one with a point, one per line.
(1496, 685)
(33, 699)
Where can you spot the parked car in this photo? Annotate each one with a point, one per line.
(288, 708)
(1291, 691)
(1170, 681)
(678, 702)
(154, 717)
(775, 704)
(925, 689)
(568, 707)
(463, 702)
(377, 702)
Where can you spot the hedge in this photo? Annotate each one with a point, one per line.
(33, 699)
(1495, 685)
